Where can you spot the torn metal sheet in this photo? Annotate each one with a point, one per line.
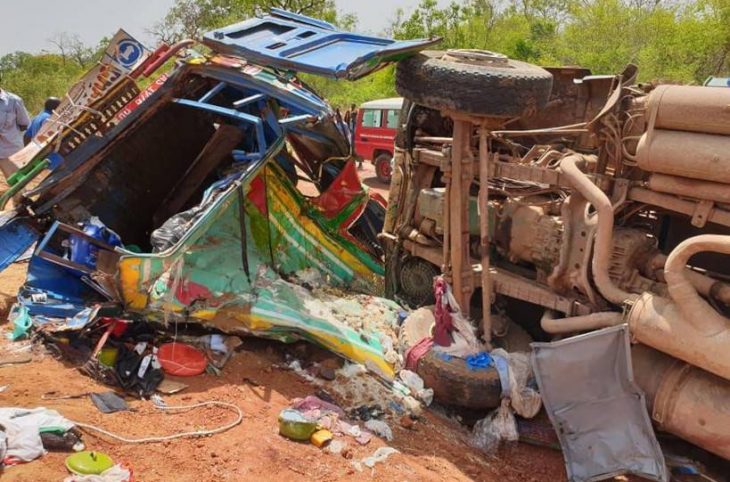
(216, 277)
(16, 237)
(289, 41)
(599, 413)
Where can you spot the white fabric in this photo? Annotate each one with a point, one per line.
(23, 427)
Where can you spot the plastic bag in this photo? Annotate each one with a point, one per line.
(524, 399)
(380, 455)
(379, 428)
(415, 384)
(499, 425)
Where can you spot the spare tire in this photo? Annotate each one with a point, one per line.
(474, 82)
(452, 381)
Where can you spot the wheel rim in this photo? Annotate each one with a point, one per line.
(384, 169)
(476, 56)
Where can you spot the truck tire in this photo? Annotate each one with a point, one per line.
(383, 168)
(474, 82)
(453, 383)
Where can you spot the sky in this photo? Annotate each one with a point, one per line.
(28, 24)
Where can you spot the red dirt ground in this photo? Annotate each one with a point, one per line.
(253, 450)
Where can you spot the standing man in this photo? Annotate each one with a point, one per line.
(13, 121)
(351, 120)
(35, 125)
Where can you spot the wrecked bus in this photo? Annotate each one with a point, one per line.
(197, 177)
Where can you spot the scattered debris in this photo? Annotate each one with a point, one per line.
(321, 437)
(109, 402)
(379, 456)
(415, 384)
(294, 425)
(170, 387)
(182, 360)
(117, 473)
(380, 428)
(89, 463)
(21, 430)
(336, 447)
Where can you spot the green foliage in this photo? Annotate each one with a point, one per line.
(340, 93)
(671, 40)
(36, 77)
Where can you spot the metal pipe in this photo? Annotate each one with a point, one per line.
(661, 324)
(684, 400)
(704, 284)
(434, 140)
(603, 244)
(484, 235)
(694, 188)
(594, 321)
(165, 56)
(696, 310)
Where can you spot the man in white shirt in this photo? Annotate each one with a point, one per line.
(14, 120)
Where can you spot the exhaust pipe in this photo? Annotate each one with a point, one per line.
(603, 244)
(686, 326)
(684, 400)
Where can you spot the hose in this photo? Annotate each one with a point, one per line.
(603, 245)
(163, 438)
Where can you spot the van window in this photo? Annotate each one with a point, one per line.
(371, 118)
(392, 120)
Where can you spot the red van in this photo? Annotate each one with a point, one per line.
(377, 121)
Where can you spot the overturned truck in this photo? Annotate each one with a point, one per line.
(559, 202)
(552, 201)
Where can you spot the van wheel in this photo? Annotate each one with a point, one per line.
(474, 81)
(383, 167)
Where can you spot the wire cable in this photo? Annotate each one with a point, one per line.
(163, 438)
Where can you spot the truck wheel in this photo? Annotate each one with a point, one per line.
(475, 82)
(415, 281)
(453, 383)
(383, 167)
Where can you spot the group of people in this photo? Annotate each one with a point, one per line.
(17, 128)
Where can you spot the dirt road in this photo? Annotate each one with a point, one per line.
(435, 450)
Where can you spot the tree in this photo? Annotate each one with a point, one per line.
(192, 18)
(70, 47)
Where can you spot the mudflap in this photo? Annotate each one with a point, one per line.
(17, 235)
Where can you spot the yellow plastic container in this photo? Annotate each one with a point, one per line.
(108, 356)
(320, 438)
